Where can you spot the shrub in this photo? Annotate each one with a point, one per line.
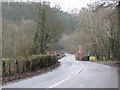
(33, 63)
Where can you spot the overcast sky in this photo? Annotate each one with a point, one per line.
(68, 5)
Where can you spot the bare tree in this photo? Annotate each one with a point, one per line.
(99, 20)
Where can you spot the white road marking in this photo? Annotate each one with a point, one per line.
(82, 68)
(66, 78)
(59, 82)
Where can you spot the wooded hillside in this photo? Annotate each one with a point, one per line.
(21, 22)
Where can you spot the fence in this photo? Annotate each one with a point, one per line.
(32, 63)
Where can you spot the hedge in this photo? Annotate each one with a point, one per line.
(32, 63)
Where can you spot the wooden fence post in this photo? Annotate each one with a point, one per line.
(9, 68)
(23, 66)
(17, 66)
(3, 68)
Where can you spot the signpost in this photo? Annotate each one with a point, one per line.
(80, 50)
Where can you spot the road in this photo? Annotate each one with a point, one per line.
(73, 74)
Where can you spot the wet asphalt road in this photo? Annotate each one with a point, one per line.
(73, 74)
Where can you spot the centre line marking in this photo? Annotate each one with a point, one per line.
(82, 68)
(66, 78)
(59, 82)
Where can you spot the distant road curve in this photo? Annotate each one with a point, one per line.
(73, 74)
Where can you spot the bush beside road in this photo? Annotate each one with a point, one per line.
(18, 67)
(85, 58)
